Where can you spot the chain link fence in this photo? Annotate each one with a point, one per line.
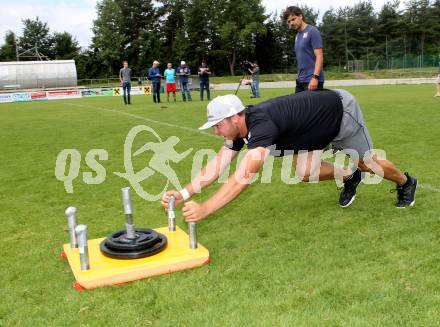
(401, 62)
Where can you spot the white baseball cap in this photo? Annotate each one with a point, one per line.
(182, 63)
(222, 107)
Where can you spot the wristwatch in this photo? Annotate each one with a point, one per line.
(315, 76)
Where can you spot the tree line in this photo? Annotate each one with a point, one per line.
(226, 32)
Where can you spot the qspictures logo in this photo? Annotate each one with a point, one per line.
(161, 157)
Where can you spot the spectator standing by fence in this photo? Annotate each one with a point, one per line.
(155, 76)
(125, 74)
(170, 81)
(255, 73)
(184, 72)
(204, 74)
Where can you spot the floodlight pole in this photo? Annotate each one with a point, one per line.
(346, 42)
(16, 48)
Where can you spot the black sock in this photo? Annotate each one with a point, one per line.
(408, 181)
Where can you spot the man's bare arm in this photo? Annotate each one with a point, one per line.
(319, 61)
(206, 176)
(313, 84)
(211, 172)
(237, 183)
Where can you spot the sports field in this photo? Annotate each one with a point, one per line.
(281, 255)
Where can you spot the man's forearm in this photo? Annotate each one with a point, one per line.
(227, 193)
(211, 171)
(318, 63)
(237, 183)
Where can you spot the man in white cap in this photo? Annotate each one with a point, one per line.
(184, 72)
(155, 77)
(294, 124)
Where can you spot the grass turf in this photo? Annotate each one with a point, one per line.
(281, 255)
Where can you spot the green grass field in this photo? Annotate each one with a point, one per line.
(281, 255)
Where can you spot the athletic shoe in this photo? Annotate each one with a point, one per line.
(348, 193)
(406, 194)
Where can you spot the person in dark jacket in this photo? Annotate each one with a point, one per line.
(184, 72)
(154, 76)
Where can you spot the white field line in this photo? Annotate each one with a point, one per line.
(145, 119)
(429, 187)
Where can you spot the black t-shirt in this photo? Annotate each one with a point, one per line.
(303, 121)
(203, 72)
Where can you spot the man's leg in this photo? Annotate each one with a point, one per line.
(252, 89)
(390, 172)
(257, 87)
(208, 91)
(124, 92)
(158, 92)
(182, 89)
(202, 84)
(189, 91)
(128, 92)
(310, 167)
(406, 185)
(355, 138)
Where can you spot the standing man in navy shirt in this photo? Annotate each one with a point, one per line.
(154, 76)
(308, 50)
(184, 72)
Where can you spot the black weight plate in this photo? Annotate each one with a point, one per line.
(118, 254)
(146, 238)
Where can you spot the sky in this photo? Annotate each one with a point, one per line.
(76, 17)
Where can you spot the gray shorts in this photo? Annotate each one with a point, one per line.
(353, 136)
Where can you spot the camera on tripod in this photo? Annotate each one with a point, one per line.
(247, 68)
(246, 64)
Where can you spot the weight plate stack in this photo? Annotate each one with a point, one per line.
(147, 243)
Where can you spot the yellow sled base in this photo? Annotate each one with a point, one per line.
(107, 271)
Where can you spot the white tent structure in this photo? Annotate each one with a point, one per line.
(37, 74)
